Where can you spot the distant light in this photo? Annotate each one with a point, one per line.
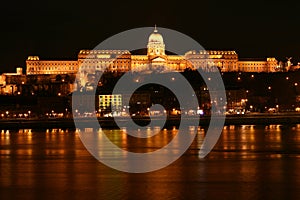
(252, 76)
(59, 94)
(269, 88)
(287, 78)
(209, 78)
(239, 78)
(296, 84)
(200, 112)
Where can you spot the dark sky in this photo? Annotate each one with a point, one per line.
(58, 29)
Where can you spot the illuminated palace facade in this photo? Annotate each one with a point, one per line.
(90, 61)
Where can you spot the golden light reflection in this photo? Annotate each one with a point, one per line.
(50, 152)
(275, 156)
(5, 152)
(5, 138)
(27, 152)
(29, 136)
(89, 130)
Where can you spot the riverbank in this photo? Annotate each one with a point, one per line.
(252, 119)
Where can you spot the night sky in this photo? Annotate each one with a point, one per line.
(58, 29)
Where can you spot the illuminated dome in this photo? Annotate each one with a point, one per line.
(155, 37)
(156, 44)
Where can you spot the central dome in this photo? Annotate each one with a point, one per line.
(155, 37)
(156, 44)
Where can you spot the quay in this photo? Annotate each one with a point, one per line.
(109, 123)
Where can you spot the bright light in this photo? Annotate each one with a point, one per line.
(296, 84)
(269, 88)
(200, 112)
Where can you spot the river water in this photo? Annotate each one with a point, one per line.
(248, 162)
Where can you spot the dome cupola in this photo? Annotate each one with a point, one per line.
(156, 44)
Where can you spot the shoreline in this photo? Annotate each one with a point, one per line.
(109, 123)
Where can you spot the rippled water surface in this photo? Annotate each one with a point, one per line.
(248, 162)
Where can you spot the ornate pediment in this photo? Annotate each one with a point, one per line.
(158, 59)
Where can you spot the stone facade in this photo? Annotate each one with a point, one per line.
(91, 61)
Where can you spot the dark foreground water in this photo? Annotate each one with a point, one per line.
(248, 162)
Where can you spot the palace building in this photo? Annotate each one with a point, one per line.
(90, 61)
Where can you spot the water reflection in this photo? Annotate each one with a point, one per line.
(253, 162)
